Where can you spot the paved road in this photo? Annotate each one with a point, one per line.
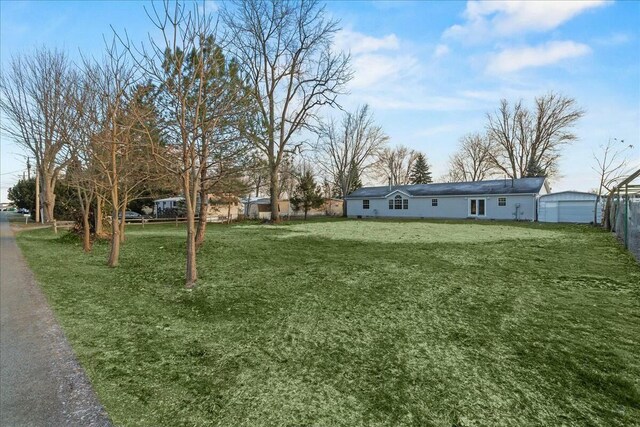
(41, 382)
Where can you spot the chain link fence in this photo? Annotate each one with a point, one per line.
(623, 213)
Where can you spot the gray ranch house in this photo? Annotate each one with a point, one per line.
(514, 199)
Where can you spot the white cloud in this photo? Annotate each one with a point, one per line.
(374, 68)
(614, 39)
(377, 62)
(514, 59)
(441, 50)
(490, 19)
(416, 98)
(358, 43)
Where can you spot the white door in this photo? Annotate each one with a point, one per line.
(477, 207)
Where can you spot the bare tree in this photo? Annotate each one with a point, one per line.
(284, 50)
(81, 173)
(118, 153)
(473, 160)
(528, 143)
(394, 165)
(610, 164)
(349, 148)
(177, 65)
(36, 91)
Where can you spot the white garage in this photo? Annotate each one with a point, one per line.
(568, 206)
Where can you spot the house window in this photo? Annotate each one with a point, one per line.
(476, 207)
(365, 204)
(502, 201)
(434, 202)
(398, 202)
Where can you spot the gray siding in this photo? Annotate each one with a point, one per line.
(448, 207)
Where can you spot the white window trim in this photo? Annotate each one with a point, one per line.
(499, 205)
(393, 193)
(477, 206)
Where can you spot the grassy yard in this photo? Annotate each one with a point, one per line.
(376, 323)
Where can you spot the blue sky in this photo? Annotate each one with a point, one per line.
(430, 70)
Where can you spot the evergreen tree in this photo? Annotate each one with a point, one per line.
(420, 173)
(23, 195)
(534, 169)
(307, 194)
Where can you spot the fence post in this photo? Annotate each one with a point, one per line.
(626, 216)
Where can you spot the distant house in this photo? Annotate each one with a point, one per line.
(569, 206)
(515, 199)
(330, 207)
(260, 207)
(165, 205)
(221, 207)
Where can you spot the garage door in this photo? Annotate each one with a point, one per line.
(575, 211)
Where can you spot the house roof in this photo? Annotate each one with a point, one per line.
(169, 199)
(582, 193)
(494, 186)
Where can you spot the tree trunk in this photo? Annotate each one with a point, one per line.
(192, 270)
(86, 231)
(49, 197)
(85, 208)
(607, 214)
(202, 217)
(229, 213)
(98, 219)
(123, 219)
(273, 189)
(344, 208)
(114, 253)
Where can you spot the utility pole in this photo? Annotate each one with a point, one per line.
(37, 197)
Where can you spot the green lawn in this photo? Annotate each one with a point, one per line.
(355, 323)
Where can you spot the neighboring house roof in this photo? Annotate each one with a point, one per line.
(582, 193)
(494, 186)
(169, 199)
(261, 200)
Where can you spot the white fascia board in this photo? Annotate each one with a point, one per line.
(394, 192)
(436, 196)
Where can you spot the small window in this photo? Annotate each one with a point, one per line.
(390, 203)
(398, 202)
(365, 204)
(434, 202)
(405, 203)
(502, 201)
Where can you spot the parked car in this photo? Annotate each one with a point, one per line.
(130, 215)
(23, 211)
